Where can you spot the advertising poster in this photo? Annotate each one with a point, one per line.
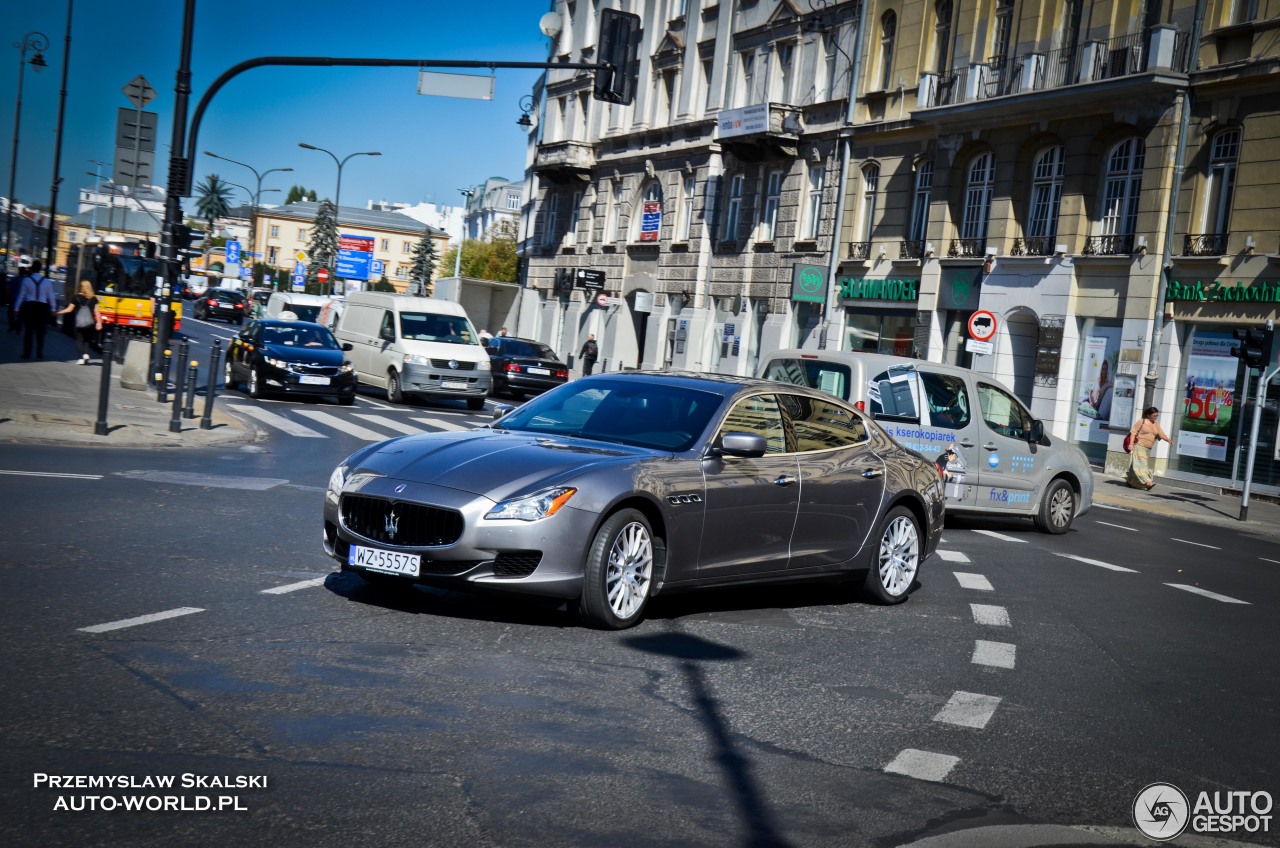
(1208, 397)
(1122, 401)
(650, 220)
(1096, 396)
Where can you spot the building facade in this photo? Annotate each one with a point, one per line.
(494, 201)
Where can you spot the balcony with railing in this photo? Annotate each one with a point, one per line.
(911, 250)
(1205, 244)
(558, 159)
(1118, 245)
(967, 247)
(1033, 246)
(859, 250)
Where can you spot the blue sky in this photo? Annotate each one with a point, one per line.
(431, 146)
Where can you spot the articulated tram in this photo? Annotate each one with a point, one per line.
(124, 275)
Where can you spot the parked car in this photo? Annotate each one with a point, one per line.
(611, 489)
(999, 459)
(258, 302)
(304, 307)
(221, 303)
(524, 366)
(290, 357)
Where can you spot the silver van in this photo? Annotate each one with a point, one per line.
(998, 458)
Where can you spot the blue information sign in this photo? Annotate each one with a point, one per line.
(233, 253)
(377, 267)
(353, 264)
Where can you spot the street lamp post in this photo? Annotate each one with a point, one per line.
(256, 197)
(253, 198)
(38, 42)
(51, 239)
(337, 194)
(457, 259)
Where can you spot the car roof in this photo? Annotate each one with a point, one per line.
(722, 384)
(287, 322)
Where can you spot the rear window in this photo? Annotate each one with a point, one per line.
(830, 377)
(530, 349)
(231, 296)
(305, 313)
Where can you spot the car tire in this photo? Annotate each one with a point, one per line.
(515, 395)
(394, 393)
(1057, 508)
(256, 390)
(475, 404)
(897, 557)
(618, 573)
(347, 400)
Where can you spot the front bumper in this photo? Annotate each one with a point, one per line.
(290, 382)
(442, 381)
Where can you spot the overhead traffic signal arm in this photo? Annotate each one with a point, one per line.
(619, 53)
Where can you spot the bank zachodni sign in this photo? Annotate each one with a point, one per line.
(1217, 290)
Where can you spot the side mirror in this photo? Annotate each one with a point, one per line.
(502, 409)
(387, 334)
(1037, 432)
(348, 346)
(747, 445)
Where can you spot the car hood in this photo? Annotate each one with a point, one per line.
(494, 464)
(305, 355)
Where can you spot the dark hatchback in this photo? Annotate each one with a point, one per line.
(272, 356)
(221, 303)
(524, 366)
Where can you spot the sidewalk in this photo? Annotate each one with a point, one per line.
(55, 401)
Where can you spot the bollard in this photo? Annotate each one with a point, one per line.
(121, 348)
(206, 420)
(162, 378)
(179, 383)
(189, 411)
(104, 387)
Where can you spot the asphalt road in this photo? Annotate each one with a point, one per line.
(1028, 686)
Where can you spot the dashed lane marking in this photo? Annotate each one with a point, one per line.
(1214, 595)
(293, 587)
(1002, 537)
(923, 765)
(996, 654)
(1264, 559)
(53, 474)
(278, 421)
(342, 424)
(990, 615)
(1198, 544)
(973, 581)
(1111, 506)
(1117, 526)
(1098, 563)
(952, 556)
(969, 709)
(142, 619)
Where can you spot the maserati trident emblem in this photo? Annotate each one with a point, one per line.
(392, 523)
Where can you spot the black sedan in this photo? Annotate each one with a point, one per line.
(524, 366)
(611, 489)
(221, 303)
(290, 357)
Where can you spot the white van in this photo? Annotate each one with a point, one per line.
(415, 346)
(999, 460)
(305, 307)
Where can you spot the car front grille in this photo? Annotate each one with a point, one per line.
(399, 523)
(516, 563)
(460, 366)
(322, 370)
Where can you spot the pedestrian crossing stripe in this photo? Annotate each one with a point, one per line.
(344, 424)
(291, 427)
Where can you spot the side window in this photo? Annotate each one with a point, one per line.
(1003, 413)
(893, 393)
(810, 373)
(388, 325)
(822, 424)
(759, 414)
(948, 400)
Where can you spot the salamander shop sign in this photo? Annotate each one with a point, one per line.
(862, 288)
(1217, 290)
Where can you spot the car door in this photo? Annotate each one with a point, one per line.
(842, 481)
(1007, 470)
(750, 502)
(242, 346)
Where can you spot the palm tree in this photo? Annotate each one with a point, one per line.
(213, 201)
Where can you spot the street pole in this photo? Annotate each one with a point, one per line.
(39, 42)
(51, 246)
(457, 258)
(1264, 377)
(337, 197)
(255, 199)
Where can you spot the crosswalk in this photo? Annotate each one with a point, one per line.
(306, 423)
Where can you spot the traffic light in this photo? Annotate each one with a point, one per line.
(1254, 348)
(619, 52)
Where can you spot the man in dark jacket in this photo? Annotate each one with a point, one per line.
(36, 302)
(590, 353)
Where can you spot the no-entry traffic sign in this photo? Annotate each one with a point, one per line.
(322, 275)
(982, 325)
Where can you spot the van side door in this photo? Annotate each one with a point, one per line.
(1008, 469)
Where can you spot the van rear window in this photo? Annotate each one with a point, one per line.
(828, 377)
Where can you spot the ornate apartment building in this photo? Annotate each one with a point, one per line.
(867, 175)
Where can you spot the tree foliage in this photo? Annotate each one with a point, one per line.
(383, 285)
(322, 247)
(422, 271)
(297, 193)
(493, 258)
(213, 201)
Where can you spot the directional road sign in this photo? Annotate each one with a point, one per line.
(233, 253)
(139, 91)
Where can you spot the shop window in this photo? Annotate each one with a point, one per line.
(873, 333)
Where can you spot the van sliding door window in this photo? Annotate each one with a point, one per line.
(893, 393)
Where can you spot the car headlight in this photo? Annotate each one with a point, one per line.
(337, 479)
(278, 363)
(533, 507)
(346, 368)
(416, 359)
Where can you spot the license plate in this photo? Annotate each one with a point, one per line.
(314, 381)
(380, 560)
(453, 384)
(138, 322)
(546, 372)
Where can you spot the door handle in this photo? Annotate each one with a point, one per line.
(784, 480)
(872, 473)
(991, 446)
(965, 444)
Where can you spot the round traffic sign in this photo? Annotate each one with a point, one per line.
(322, 275)
(602, 300)
(982, 325)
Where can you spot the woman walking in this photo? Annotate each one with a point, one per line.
(1144, 435)
(88, 320)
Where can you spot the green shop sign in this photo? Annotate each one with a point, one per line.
(866, 289)
(1201, 292)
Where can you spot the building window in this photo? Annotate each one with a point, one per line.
(406, 247)
(384, 245)
(272, 254)
(735, 208)
(920, 203)
(1046, 194)
(302, 234)
(652, 194)
(72, 235)
(402, 272)
(275, 231)
(941, 36)
(1004, 27)
(667, 106)
(1122, 185)
(888, 29)
(612, 214)
(562, 115)
(571, 237)
(1222, 181)
(513, 203)
(870, 193)
(813, 201)
(580, 117)
(772, 198)
(977, 199)
(687, 189)
(552, 220)
(830, 49)
(784, 60)
(679, 9)
(706, 85)
(746, 79)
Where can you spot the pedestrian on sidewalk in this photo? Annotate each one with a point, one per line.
(1144, 434)
(36, 302)
(88, 320)
(590, 353)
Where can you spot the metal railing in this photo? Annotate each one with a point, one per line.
(911, 250)
(962, 247)
(1205, 244)
(1119, 57)
(1033, 246)
(859, 250)
(1108, 245)
(1061, 67)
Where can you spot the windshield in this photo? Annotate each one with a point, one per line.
(627, 412)
(305, 313)
(300, 336)
(428, 327)
(532, 350)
